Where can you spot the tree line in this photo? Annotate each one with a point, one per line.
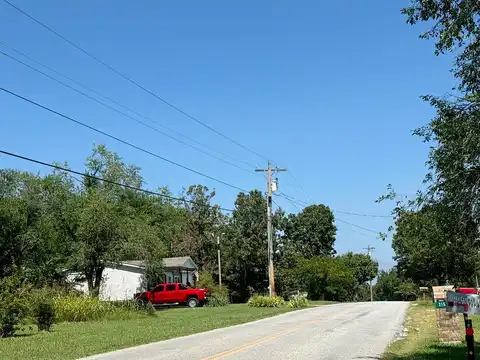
(60, 223)
(436, 235)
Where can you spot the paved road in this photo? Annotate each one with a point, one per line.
(333, 332)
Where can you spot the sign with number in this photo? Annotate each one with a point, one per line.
(440, 304)
(463, 303)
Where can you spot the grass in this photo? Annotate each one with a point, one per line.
(75, 340)
(422, 342)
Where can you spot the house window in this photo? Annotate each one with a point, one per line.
(169, 279)
(176, 278)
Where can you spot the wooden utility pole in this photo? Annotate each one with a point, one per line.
(271, 187)
(219, 263)
(369, 253)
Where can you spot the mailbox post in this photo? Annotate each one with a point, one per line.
(465, 301)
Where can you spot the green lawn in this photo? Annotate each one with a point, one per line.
(74, 340)
(422, 340)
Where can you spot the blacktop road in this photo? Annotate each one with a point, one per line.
(332, 332)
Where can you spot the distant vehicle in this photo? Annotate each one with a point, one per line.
(173, 294)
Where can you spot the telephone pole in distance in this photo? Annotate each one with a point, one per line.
(369, 253)
(271, 187)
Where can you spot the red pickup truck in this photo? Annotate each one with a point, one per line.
(171, 294)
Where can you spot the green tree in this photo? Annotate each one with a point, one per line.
(390, 287)
(311, 232)
(326, 278)
(202, 222)
(363, 266)
(244, 245)
(455, 25)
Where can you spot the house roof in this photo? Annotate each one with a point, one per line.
(185, 262)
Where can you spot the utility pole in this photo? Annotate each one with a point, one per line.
(271, 187)
(369, 252)
(219, 263)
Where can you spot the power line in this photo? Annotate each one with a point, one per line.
(336, 218)
(364, 215)
(120, 112)
(120, 140)
(106, 181)
(132, 81)
(121, 105)
(357, 226)
(304, 203)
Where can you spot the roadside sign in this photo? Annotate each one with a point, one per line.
(463, 303)
(439, 291)
(440, 304)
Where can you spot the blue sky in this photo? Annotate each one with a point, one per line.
(328, 89)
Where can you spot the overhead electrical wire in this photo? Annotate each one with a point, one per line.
(120, 140)
(293, 202)
(357, 226)
(62, 168)
(304, 203)
(121, 105)
(129, 79)
(121, 113)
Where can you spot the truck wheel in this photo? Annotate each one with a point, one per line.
(192, 302)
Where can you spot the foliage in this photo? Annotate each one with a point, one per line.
(363, 266)
(455, 27)
(298, 301)
(266, 301)
(312, 232)
(44, 313)
(219, 295)
(219, 299)
(324, 278)
(203, 219)
(13, 303)
(391, 287)
(150, 309)
(56, 225)
(74, 308)
(437, 234)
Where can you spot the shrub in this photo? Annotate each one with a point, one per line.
(44, 314)
(80, 308)
(150, 309)
(298, 301)
(266, 301)
(218, 300)
(13, 304)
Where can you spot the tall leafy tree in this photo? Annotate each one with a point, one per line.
(311, 232)
(364, 268)
(245, 244)
(203, 218)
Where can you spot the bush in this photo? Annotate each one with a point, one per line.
(298, 301)
(150, 309)
(13, 304)
(80, 308)
(266, 301)
(218, 300)
(44, 315)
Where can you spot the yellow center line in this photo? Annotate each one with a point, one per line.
(259, 341)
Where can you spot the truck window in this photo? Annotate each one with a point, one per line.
(159, 288)
(171, 287)
(182, 287)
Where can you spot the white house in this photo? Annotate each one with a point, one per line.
(120, 283)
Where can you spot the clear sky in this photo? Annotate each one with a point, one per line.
(329, 89)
